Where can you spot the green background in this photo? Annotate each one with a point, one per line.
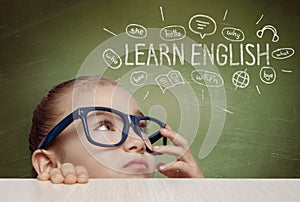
(43, 43)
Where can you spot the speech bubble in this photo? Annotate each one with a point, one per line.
(172, 33)
(136, 31)
(267, 75)
(206, 78)
(112, 59)
(203, 25)
(233, 34)
(138, 78)
(283, 53)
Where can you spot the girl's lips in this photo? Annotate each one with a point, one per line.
(139, 163)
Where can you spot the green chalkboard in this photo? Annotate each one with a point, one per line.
(224, 74)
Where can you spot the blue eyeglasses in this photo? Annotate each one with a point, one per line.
(107, 127)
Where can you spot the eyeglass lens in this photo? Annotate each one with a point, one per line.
(106, 128)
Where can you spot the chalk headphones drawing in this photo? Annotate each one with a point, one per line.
(261, 32)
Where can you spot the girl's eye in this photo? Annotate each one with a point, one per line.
(104, 127)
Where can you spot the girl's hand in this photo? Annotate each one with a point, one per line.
(185, 166)
(67, 174)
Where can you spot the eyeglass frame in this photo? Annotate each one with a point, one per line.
(81, 113)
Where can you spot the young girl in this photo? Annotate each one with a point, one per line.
(90, 127)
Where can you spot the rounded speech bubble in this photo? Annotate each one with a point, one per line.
(207, 78)
(136, 31)
(203, 25)
(283, 53)
(138, 78)
(233, 34)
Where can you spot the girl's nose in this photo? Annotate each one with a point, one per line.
(133, 143)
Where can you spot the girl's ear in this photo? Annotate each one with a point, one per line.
(44, 160)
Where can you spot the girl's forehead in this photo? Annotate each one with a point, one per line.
(107, 96)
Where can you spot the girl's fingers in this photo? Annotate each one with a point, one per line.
(82, 174)
(43, 176)
(176, 151)
(74, 174)
(180, 169)
(186, 165)
(176, 139)
(69, 173)
(56, 176)
(174, 169)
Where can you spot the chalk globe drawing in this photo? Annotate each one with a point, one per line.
(241, 79)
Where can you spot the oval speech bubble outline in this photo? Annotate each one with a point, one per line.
(233, 34)
(178, 29)
(283, 53)
(209, 79)
(136, 31)
(203, 23)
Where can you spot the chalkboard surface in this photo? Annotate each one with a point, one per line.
(223, 73)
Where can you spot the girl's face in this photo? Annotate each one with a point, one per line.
(127, 160)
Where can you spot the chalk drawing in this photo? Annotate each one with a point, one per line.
(207, 78)
(136, 31)
(233, 34)
(138, 78)
(203, 25)
(112, 59)
(267, 75)
(225, 14)
(166, 81)
(109, 31)
(283, 53)
(225, 110)
(258, 90)
(258, 21)
(261, 32)
(202, 94)
(146, 95)
(286, 71)
(162, 13)
(241, 79)
(172, 33)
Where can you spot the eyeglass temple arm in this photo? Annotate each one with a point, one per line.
(156, 136)
(54, 132)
